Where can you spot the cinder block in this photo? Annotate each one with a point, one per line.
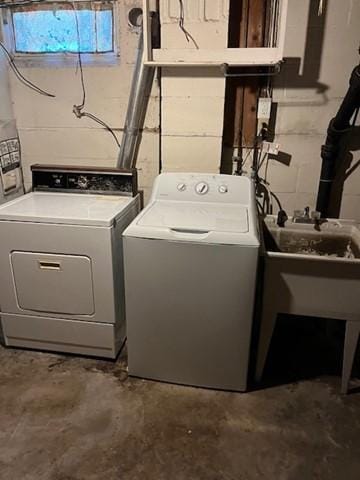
(212, 10)
(339, 57)
(70, 143)
(281, 178)
(352, 182)
(6, 111)
(287, 202)
(301, 148)
(306, 119)
(207, 35)
(192, 115)
(308, 178)
(346, 12)
(297, 13)
(194, 10)
(295, 39)
(170, 9)
(191, 154)
(190, 81)
(148, 164)
(293, 201)
(350, 207)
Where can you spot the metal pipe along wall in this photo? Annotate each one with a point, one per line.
(139, 97)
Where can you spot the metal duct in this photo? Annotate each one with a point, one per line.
(139, 97)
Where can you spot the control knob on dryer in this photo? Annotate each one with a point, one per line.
(82, 181)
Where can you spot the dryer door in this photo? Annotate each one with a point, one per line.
(53, 283)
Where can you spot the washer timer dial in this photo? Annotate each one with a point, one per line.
(181, 187)
(201, 188)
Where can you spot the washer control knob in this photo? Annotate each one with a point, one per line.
(223, 188)
(181, 187)
(82, 181)
(201, 188)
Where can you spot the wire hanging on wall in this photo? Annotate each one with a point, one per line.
(187, 34)
(21, 77)
(78, 109)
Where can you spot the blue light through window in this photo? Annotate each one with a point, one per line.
(52, 28)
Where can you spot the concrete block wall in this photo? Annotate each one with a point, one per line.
(6, 110)
(320, 55)
(192, 99)
(320, 51)
(49, 131)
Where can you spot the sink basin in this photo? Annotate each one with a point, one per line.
(336, 239)
(310, 272)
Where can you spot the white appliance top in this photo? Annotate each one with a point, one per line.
(65, 208)
(196, 216)
(205, 208)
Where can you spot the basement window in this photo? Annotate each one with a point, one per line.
(58, 28)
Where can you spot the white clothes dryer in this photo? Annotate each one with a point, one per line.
(61, 266)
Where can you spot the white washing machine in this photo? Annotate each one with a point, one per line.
(61, 266)
(190, 274)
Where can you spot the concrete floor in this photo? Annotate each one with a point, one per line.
(72, 418)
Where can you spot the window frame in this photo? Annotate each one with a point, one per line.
(61, 59)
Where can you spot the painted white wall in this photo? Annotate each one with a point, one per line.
(308, 93)
(304, 110)
(6, 110)
(49, 131)
(192, 99)
(192, 102)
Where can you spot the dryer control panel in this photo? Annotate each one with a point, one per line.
(104, 181)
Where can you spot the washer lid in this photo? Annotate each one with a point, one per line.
(196, 216)
(195, 222)
(65, 208)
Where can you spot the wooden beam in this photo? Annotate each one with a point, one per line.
(255, 38)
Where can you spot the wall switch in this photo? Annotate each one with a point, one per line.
(264, 108)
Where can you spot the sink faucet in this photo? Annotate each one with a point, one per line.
(303, 216)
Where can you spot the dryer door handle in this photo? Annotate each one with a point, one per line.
(49, 265)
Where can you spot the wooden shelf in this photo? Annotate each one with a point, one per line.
(191, 57)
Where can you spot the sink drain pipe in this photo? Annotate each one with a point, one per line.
(138, 101)
(339, 125)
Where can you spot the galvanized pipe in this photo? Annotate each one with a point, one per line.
(138, 101)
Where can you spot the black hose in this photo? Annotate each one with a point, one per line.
(339, 125)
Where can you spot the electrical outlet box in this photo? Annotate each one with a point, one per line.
(271, 148)
(264, 108)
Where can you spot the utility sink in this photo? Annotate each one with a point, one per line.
(332, 239)
(311, 270)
